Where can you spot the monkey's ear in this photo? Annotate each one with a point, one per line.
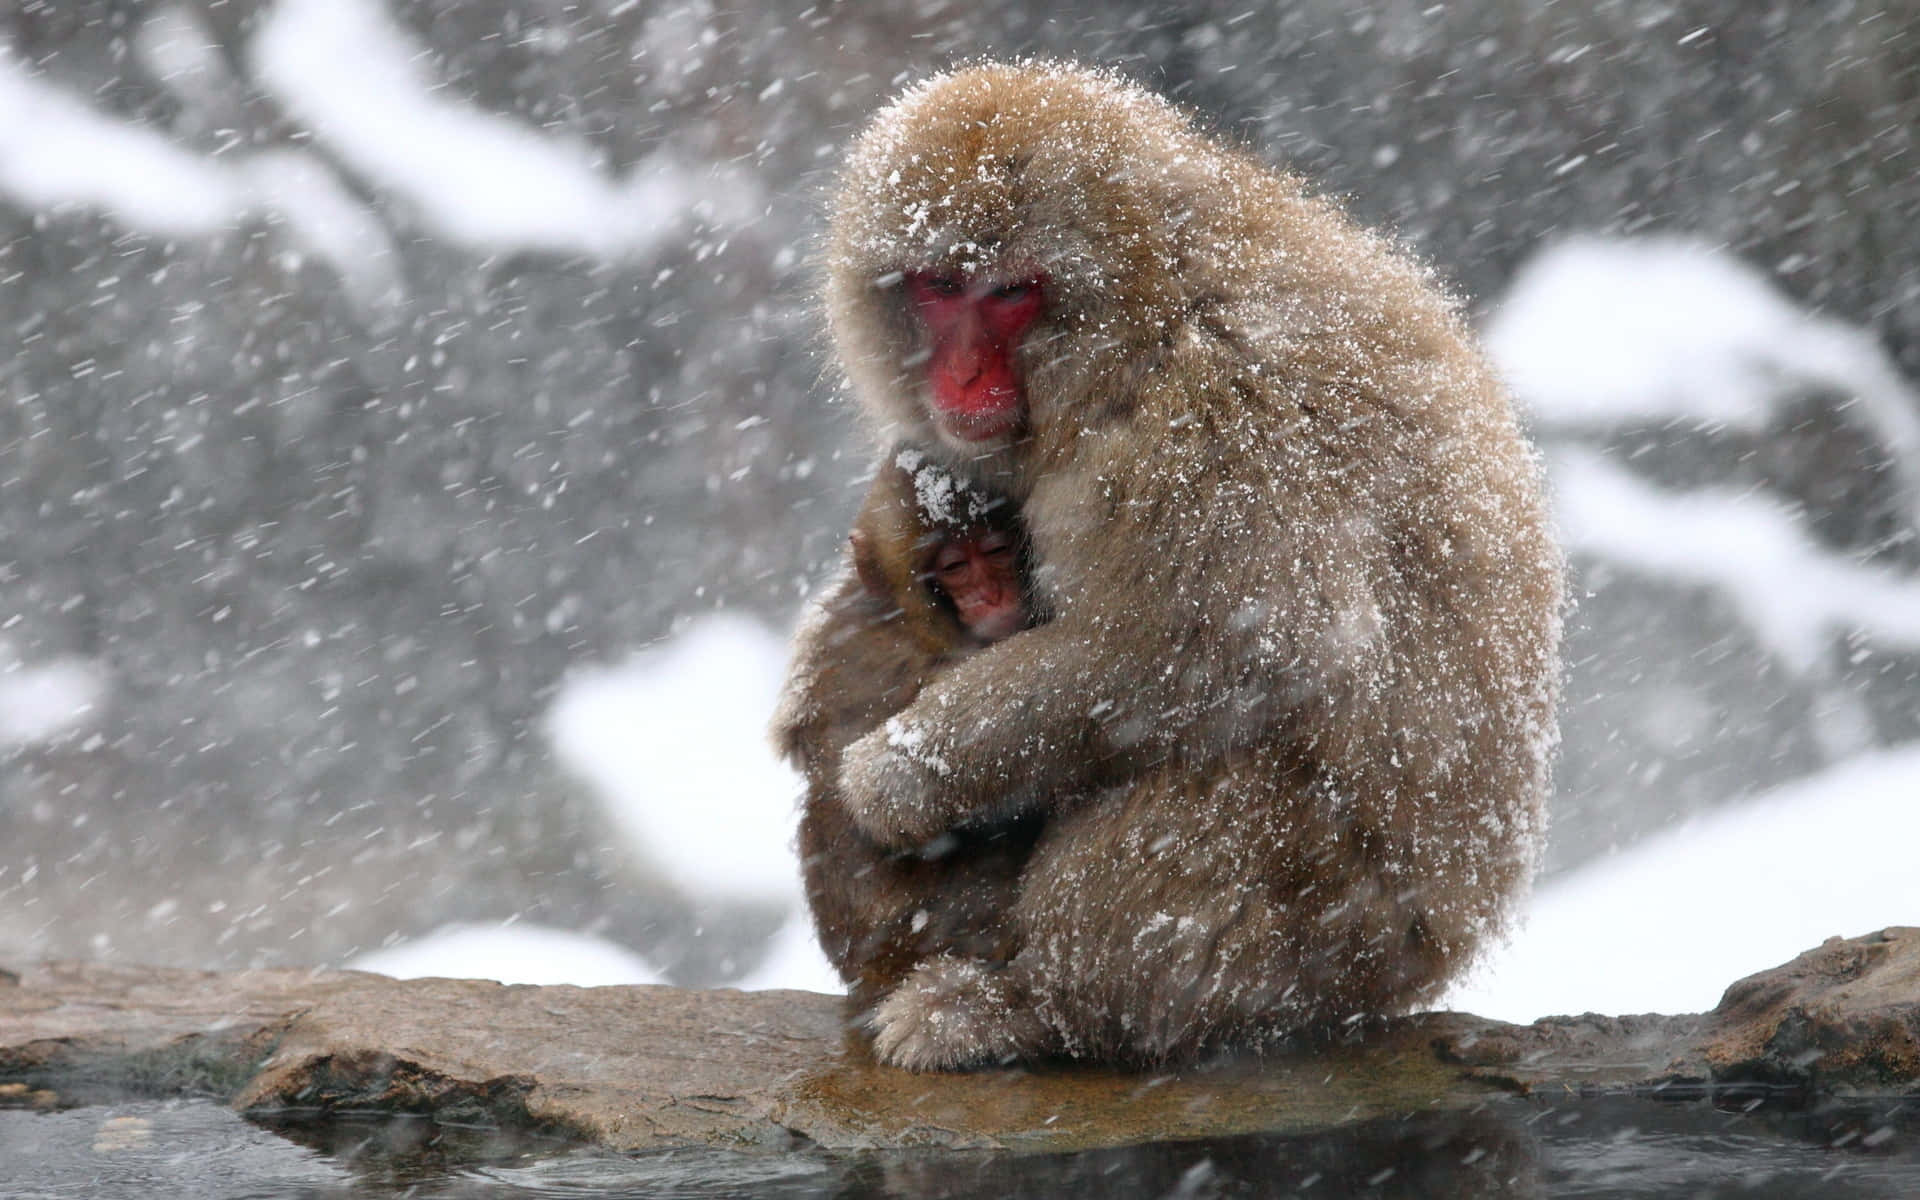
(867, 564)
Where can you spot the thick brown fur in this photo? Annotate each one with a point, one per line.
(874, 640)
(1305, 605)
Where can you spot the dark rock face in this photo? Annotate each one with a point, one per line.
(640, 1067)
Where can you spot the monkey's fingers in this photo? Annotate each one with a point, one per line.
(955, 1014)
(889, 782)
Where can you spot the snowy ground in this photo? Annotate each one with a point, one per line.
(1665, 925)
(517, 953)
(673, 742)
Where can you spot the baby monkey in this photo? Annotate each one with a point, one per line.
(937, 572)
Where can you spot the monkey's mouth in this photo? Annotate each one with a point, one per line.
(996, 624)
(984, 423)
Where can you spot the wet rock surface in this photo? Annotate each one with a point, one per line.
(1842, 1016)
(633, 1068)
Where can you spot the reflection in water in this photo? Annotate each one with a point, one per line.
(155, 1150)
(1622, 1148)
(1480, 1154)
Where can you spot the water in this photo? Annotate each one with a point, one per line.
(1623, 1147)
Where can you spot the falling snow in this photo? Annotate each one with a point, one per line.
(414, 453)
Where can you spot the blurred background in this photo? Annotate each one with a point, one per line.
(416, 441)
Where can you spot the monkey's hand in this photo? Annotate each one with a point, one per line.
(890, 784)
(1004, 732)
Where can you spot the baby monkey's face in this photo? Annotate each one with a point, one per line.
(980, 574)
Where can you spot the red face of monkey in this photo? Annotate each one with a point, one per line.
(980, 573)
(973, 328)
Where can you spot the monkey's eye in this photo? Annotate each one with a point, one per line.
(950, 562)
(996, 545)
(943, 285)
(1012, 291)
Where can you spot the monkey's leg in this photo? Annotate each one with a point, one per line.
(1220, 907)
(878, 914)
(1197, 909)
(1126, 909)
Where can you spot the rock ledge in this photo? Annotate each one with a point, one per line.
(637, 1068)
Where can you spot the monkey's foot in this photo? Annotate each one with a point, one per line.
(953, 1014)
(888, 784)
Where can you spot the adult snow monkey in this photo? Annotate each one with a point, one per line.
(1302, 661)
(933, 573)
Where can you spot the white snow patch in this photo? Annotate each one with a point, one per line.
(935, 492)
(1600, 332)
(911, 742)
(58, 153)
(41, 703)
(1667, 924)
(328, 221)
(516, 953)
(673, 743)
(492, 182)
(1796, 595)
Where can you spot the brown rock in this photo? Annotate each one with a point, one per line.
(1588, 1052)
(636, 1067)
(1844, 1016)
(639, 1067)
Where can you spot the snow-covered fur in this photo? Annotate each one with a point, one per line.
(1303, 661)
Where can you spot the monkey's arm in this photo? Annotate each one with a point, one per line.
(1190, 617)
(1050, 712)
